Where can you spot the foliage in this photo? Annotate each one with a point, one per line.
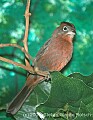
(46, 16)
(70, 98)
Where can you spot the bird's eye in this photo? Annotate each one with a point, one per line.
(65, 28)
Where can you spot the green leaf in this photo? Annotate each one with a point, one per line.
(4, 116)
(26, 113)
(88, 80)
(83, 113)
(66, 96)
(39, 95)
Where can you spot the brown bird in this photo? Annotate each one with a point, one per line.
(53, 56)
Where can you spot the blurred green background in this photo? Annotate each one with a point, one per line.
(46, 16)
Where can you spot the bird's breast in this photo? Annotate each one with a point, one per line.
(56, 56)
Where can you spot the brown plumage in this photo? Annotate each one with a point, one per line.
(53, 56)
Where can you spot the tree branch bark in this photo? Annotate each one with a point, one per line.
(27, 15)
(24, 49)
(19, 47)
(17, 64)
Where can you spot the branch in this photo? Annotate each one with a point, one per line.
(27, 15)
(12, 56)
(29, 69)
(17, 64)
(17, 46)
(25, 50)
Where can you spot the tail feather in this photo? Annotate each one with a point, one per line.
(20, 98)
(18, 101)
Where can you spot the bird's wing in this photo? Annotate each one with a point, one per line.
(43, 50)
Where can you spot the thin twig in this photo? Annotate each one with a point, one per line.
(15, 63)
(17, 46)
(27, 15)
(27, 67)
(12, 56)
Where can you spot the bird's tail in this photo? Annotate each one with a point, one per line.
(20, 98)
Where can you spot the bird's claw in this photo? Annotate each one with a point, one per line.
(48, 76)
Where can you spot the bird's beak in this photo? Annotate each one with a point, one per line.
(72, 32)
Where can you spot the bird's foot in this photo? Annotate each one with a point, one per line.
(42, 73)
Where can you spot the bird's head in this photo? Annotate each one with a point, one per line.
(65, 29)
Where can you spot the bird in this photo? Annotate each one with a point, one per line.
(53, 56)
